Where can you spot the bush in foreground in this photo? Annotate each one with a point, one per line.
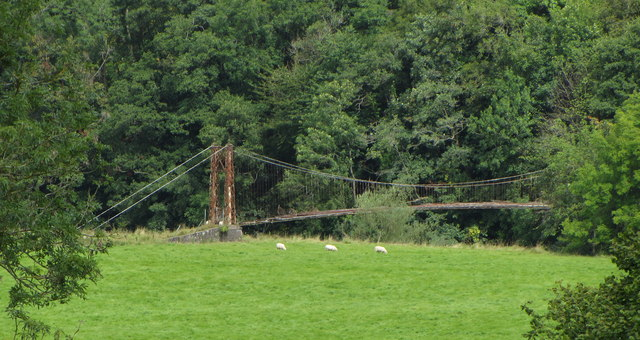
(610, 311)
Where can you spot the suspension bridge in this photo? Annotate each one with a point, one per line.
(250, 189)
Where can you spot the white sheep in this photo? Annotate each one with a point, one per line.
(280, 246)
(380, 249)
(330, 247)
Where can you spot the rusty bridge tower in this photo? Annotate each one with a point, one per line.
(222, 158)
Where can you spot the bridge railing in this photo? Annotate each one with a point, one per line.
(513, 189)
(267, 187)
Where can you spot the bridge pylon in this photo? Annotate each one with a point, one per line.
(222, 158)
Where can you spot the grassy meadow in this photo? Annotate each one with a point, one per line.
(249, 290)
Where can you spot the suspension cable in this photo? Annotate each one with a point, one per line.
(148, 185)
(158, 189)
(275, 162)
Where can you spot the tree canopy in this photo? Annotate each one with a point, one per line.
(417, 91)
(47, 106)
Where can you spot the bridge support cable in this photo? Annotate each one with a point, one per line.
(145, 187)
(229, 188)
(281, 189)
(289, 166)
(213, 154)
(213, 182)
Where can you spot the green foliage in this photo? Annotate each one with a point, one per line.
(466, 119)
(593, 179)
(609, 311)
(224, 228)
(433, 229)
(520, 226)
(412, 91)
(331, 139)
(45, 117)
(188, 86)
(408, 91)
(612, 77)
(369, 15)
(474, 235)
(384, 216)
(13, 14)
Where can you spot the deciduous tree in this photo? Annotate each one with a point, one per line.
(609, 311)
(45, 122)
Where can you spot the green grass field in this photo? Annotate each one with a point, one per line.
(248, 290)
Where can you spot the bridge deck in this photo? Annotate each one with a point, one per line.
(427, 206)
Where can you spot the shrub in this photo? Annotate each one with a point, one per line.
(610, 311)
(434, 230)
(385, 216)
(474, 235)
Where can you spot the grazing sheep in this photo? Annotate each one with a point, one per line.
(330, 247)
(280, 246)
(380, 249)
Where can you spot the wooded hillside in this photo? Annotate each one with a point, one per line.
(413, 91)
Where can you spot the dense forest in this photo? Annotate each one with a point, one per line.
(98, 98)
